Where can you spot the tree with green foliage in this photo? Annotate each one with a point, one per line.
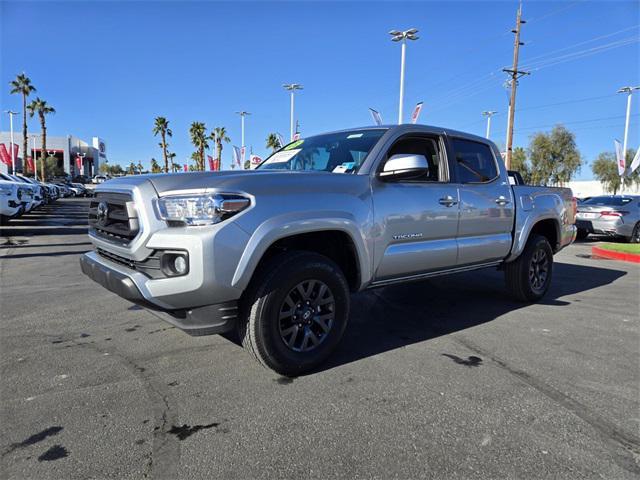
(520, 163)
(161, 127)
(605, 170)
(219, 135)
(554, 157)
(155, 167)
(273, 142)
(131, 169)
(140, 167)
(22, 85)
(199, 139)
(52, 168)
(41, 108)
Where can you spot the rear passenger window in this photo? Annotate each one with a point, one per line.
(475, 162)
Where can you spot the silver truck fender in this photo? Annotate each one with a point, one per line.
(296, 223)
(530, 211)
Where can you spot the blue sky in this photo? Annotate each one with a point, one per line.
(110, 67)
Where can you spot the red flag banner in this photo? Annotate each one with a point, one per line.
(79, 163)
(186, 168)
(30, 166)
(4, 155)
(16, 150)
(212, 165)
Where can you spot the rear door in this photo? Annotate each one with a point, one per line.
(486, 203)
(416, 220)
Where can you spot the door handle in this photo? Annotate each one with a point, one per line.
(501, 200)
(447, 201)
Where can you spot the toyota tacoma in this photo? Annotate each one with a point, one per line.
(273, 254)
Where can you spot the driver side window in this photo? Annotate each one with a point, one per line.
(420, 146)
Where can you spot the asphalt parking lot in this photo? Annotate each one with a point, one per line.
(447, 378)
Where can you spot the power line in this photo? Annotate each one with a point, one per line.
(567, 102)
(577, 122)
(555, 12)
(582, 43)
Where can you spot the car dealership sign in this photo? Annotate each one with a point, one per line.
(99, 145)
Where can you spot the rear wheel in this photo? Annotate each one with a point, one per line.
(582, 234)
(295, 312)
(529, 276)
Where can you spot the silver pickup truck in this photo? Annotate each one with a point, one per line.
(274, 253)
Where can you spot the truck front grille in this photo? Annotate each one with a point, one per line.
(113, 216)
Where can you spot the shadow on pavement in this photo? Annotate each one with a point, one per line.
(393, 317)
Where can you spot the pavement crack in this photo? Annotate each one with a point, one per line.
(613, 435)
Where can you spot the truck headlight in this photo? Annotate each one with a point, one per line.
(201, 209)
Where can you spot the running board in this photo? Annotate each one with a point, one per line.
(422, 276)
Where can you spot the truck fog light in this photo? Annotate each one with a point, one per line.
(174, 264)
(180, 265)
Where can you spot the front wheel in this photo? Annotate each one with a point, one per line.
(295, 312)
(529, 276)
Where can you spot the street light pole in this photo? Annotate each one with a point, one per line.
(292, 87)
(629, 92)
(397, 36)
(13, 160)
(488, 114)
(242, 115)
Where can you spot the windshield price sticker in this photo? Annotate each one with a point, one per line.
(294, 145)
(282, 156)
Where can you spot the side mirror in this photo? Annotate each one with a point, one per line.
(404, 166)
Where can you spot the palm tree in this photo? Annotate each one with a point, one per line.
(219, 135)
(198, 133)
(161, 126)
(171, 156)
(131, 170)
(140, 167)
(155, 168)
(273, 142)
(22, 85)
(42, 108)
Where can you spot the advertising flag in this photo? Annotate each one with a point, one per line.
(281, 140)
(620, 158)
(236, 156)
(416, 112)
(16, 149)
(79, 163)
(212, 165)
(635, 163)
(376, 116)
(186, 168)
(242, 152)
(296, 136)
(30, 167)
(4, 155)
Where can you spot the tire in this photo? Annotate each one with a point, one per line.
(268, 328)
(582, 234)
(635, 235)
(526, 278)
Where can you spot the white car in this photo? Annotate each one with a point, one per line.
(13, 199)
(99, 179)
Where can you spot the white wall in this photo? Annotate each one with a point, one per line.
(591, 188)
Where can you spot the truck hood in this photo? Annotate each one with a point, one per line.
(253, 182)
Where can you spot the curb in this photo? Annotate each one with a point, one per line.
(613, 255)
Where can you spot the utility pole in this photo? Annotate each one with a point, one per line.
(488, 114)
(13, 160)
(515, 74)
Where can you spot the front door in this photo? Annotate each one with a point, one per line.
(415, 220)
(486, 204)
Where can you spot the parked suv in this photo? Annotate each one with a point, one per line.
(273, 254)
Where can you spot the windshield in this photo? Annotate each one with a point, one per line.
(608, 201)
(342, 152)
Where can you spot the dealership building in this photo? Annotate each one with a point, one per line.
(75, 156)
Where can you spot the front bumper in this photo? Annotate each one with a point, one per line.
(203, 320)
